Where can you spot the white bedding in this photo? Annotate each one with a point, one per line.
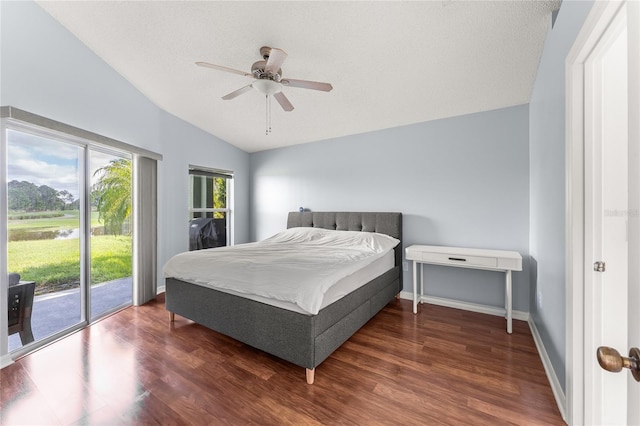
(336, 291)
(298, 265)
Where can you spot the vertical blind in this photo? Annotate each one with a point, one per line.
(202, 171)
(145, 229)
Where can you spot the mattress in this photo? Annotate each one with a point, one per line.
(336, 292)
(306, 268)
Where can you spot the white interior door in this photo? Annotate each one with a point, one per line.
(612, 222)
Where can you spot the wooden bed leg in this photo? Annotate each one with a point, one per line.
(311, 373)
(398, 296)
(172, 316)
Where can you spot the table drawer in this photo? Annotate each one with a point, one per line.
(454, 259)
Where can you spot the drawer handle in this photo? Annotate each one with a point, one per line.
(459, 259)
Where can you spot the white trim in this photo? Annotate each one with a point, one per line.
(593, 27)
(467, 306)
(5, 361)
(4, 284)
(556, 387)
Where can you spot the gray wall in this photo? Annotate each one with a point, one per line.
(47, 71)
(547, 190)
(462, 181)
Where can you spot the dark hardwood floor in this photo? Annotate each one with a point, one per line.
(443, 366)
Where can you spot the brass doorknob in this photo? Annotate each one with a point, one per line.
(611, 360)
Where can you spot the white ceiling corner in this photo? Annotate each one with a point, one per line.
(390, 63)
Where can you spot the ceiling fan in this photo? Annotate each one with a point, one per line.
(268, 75)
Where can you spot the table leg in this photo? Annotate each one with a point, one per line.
(508, 301)
(415, 287)
(421, 282)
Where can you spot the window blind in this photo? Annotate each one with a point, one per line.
(193, 170)
(145, 195)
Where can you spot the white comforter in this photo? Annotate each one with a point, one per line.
(297, 265)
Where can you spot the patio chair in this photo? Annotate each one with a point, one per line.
(20, 307)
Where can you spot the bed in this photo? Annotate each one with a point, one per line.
(302, 338)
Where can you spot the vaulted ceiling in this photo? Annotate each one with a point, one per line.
(390, 63)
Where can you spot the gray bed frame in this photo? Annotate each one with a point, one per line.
(302, 339)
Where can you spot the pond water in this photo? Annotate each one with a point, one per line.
(61, 234)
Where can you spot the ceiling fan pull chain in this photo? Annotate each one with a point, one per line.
(266, 115)
(269, 98)
(267, 105)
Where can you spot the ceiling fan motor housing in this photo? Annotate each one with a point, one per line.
(258, 70)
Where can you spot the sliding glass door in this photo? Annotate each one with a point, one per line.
(44, 181)
(111, 232)
(69, 251)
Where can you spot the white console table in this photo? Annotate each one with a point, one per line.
(492, 260)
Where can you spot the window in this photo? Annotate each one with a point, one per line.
(210, 213)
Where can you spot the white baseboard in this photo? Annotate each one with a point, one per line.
(556, 387)
(467, 306)
(5, 361)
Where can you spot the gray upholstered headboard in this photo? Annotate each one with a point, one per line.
(383, 223)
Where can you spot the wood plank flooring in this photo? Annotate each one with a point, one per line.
(443, 366)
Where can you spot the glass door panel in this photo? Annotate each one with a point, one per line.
(44, 181)
(111, 232)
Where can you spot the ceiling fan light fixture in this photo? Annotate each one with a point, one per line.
(267, 87)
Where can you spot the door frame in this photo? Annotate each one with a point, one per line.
(5, 357)
(602, 13)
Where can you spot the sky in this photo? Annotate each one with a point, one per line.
(45, 161)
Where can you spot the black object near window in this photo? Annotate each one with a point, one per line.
(20, 302)
(207, 233)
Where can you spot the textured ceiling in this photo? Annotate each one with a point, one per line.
(390, 63)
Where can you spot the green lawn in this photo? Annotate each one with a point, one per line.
(55, 264)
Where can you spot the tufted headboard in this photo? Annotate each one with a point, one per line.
(383, 223)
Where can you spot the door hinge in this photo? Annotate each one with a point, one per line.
(599, 266)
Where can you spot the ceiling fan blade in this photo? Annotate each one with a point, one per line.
(221, 68)
(237, 93)
(306, 84)
(283, 101)
(276, 58)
